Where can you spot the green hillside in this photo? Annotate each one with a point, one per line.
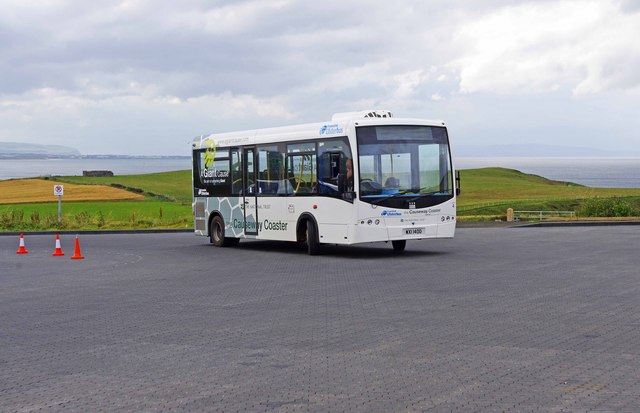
(486, 194)
(490, 191)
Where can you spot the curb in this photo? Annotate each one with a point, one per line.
(465, 225)
(485, 224)
(543, 224)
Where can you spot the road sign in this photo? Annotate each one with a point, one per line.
(58, 190)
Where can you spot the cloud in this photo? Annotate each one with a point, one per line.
(267, 48)
(587, 46)
(140, 122)
(80, 71)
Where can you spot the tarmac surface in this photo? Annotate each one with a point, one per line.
(497, 319)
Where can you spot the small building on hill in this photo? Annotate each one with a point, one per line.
(97, 173)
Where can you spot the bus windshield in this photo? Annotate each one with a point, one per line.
(404, 166)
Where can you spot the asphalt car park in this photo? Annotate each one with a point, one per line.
(496, 319)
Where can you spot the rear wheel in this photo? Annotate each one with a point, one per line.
(313, 244)
(399, 245)
(216, 233)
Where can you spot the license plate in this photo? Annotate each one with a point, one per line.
(413, 231)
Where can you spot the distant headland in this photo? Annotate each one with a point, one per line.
(16, 150)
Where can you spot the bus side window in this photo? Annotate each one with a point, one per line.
(236, 172)
(271, 167)
(302, 167)
(212, 174)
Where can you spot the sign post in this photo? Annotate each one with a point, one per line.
(58, 190)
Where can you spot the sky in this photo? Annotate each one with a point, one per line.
(144, 77)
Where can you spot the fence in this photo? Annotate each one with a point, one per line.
(517, 215)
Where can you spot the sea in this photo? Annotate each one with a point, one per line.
(27, 168)
(595, 172)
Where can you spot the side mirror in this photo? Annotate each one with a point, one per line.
(457, 183)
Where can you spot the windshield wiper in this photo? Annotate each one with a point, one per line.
(389, 196)
(419, 194)
(404, 192)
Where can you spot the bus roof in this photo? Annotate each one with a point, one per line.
(336, 127)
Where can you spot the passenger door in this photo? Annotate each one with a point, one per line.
(250, 192)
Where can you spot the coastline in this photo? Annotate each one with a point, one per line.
(598, 172)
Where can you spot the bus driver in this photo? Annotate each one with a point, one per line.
(345, 180)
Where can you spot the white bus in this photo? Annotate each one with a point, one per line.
(360, 177)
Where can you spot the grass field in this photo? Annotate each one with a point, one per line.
(96, 215)
(41, 190)
(174, 186)
(163, 200)
(160, 200)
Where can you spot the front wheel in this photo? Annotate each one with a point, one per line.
(313, 244)
(399, 245)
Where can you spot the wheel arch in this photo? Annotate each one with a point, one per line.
(301, 226)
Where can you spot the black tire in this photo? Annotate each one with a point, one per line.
(313, 244)
(216, 231)
(399, 245)
(217, 234)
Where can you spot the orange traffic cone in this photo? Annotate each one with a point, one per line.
(58, 252)
(77, 255)
(22, 249)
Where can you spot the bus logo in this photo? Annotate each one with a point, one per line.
(327, 129)
(391, 213)
(210, 154)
